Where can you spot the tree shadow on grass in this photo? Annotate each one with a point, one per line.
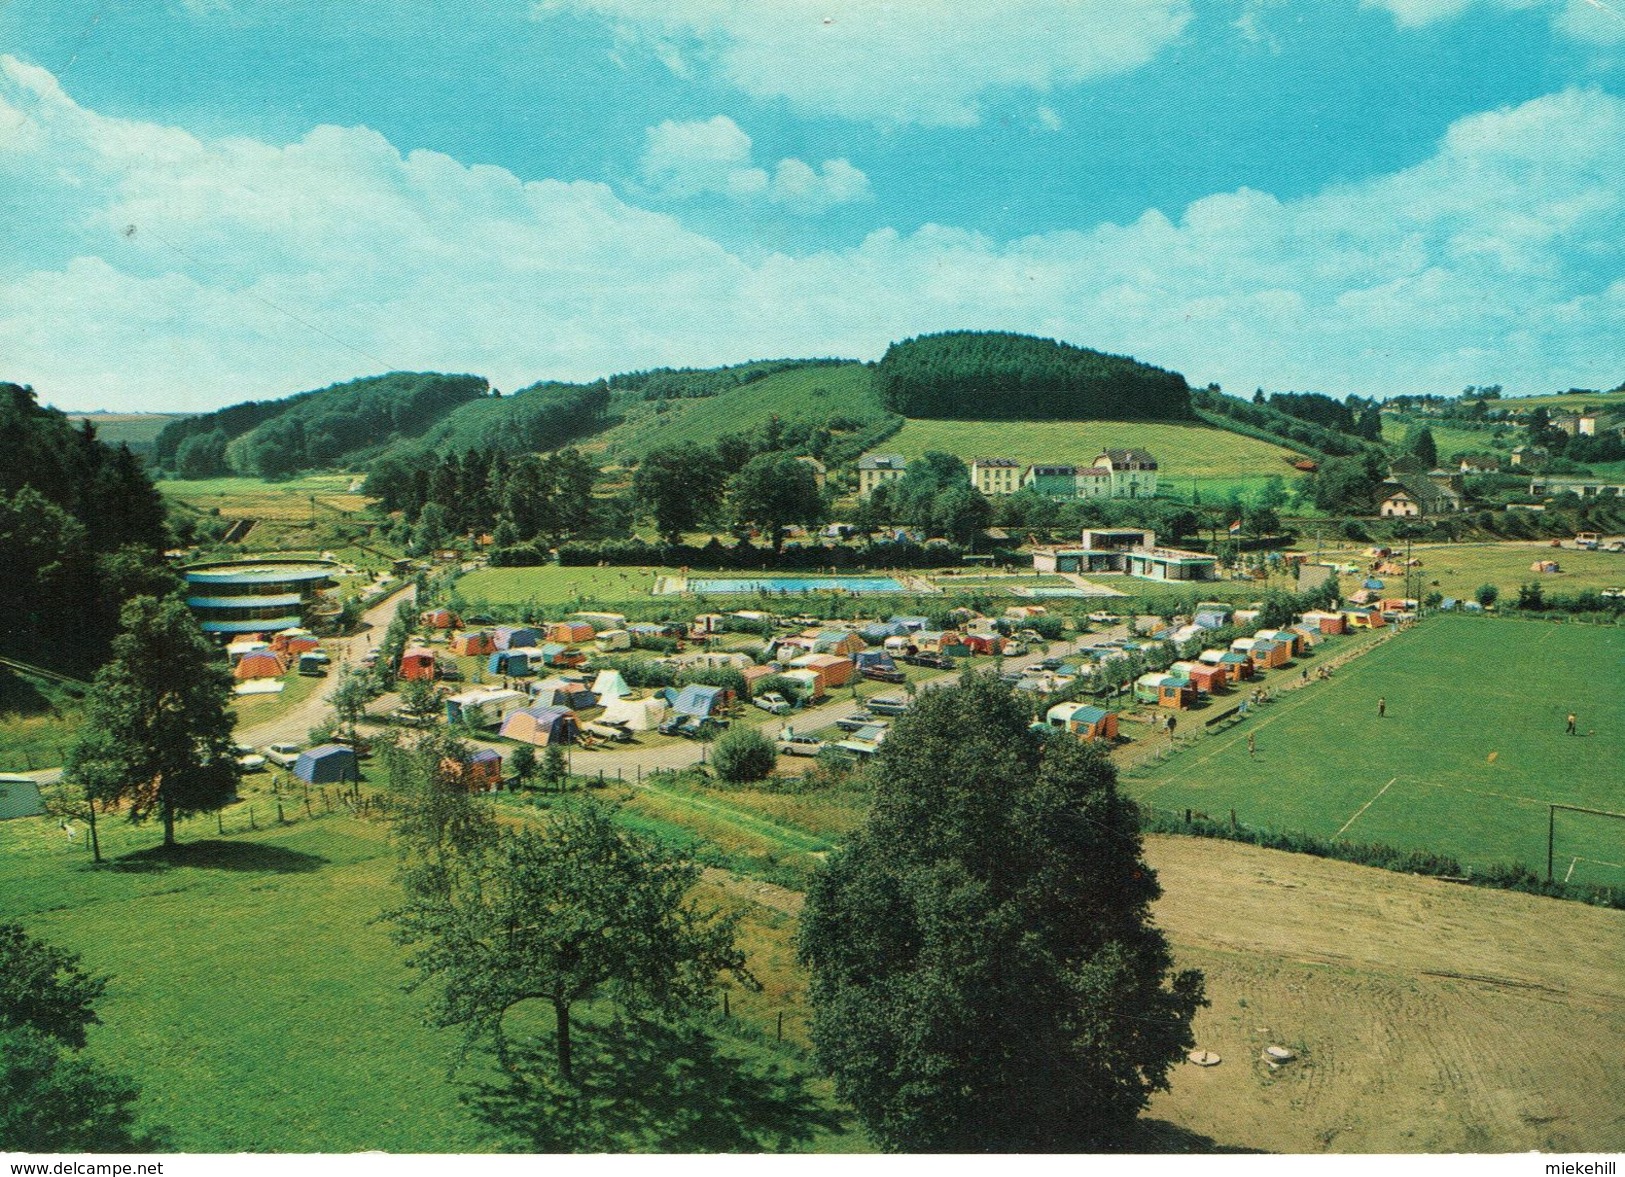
(643, 1087)
(214, 854)
(1161, 1137)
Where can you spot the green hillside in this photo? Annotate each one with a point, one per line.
(1614, 400)
(1180, 450)
(840, 397)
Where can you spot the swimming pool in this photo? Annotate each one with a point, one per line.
(795, 584)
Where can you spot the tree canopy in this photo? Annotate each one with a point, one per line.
(54, 1100)
(774, 491)
(984, 971)
(497, 917)
(157, 727)
(994, 375)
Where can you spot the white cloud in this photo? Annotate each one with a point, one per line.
(894, 63)
(1597, 21)
(254, 270)
(689, 158)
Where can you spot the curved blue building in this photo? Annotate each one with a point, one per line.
(260, 595)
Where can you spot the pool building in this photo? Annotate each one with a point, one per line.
(1127, 550)
(260, 595)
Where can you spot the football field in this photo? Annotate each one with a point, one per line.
(1467, 760)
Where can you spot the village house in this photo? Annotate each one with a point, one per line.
(874, 469)
(995, 476)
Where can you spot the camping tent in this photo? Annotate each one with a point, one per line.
(564, 692)
(417, 664)
(515, 637)
(294, 641)
(439, 619)
(699, 700)
(479, 642)
(610, 685)
(566, 632)
(259, 664)
(19, 797)
(638, 715)
(1084, 720)
(485, 706)
(326, 765)
(540, 726)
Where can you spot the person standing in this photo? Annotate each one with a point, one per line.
(1570, 729)
(1382, 706)
(1252, 743)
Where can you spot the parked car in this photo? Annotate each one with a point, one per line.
(1051, 664)
(772, 702)
(247, 759)
(1104, 618)
(800, 745)
(881, 674)
(282, 754)
(887, 705)
(693, 727)
(853, 723)
(411, 718)
(934, 661)
(1014, 649)
(448, 672)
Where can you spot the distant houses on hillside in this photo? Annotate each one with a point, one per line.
(1115, 474)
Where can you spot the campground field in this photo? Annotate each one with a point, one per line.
(1469, 755)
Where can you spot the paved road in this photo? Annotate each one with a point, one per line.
(294, 725)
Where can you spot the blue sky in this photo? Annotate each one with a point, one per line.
(207, 201)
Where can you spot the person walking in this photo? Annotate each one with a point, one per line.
(1382, 707)
(1570, 729)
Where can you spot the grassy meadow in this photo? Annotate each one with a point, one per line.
(260, 1004)
(811, 394)
(1471, 751)
(1182, 452)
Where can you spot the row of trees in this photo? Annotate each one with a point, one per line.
(690, 486)
(516, 499)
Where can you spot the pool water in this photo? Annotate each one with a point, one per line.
(795, 584)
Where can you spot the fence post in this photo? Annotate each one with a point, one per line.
(280, 820)
(251, 824)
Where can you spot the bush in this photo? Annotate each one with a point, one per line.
(743, 754)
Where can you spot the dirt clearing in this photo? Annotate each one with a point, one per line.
(1426, 1016)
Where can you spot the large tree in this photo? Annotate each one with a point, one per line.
(157, 729)
(51, 1098)
(774, 491)
(984, 970)
(499, 917)
(679, 487)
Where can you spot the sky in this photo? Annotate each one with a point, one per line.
(210, 201)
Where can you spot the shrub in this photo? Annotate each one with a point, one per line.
(743, 754)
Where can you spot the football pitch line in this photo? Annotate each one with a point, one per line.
(1281, 708)
(1363, 808)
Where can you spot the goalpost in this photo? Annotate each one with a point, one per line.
(1551, 827)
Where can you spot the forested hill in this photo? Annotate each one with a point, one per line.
(989, 375)
(338, 425)
(81, 529)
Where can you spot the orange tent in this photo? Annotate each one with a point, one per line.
(417, 664)
(260, 664)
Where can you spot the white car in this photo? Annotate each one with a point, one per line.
(247, 759)
(1104, 618)
(282, 754)
(772, 702)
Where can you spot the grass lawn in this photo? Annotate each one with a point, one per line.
(1457, 570)
(1469, 755)
(260, 1007)
(1182, 451)
(38, 721)
(296, 688)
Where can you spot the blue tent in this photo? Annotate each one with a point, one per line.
(1211, 618)
(874, 660)
(516, 637)
(329, 764)
(879, 631)
(1448, 603)
(909, 624)
(1372, 583)
(510, 662)
(696, 699)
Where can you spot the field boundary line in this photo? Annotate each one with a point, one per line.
(1295, 698)
(1365, 807)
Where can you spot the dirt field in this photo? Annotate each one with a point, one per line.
(1427, 1017)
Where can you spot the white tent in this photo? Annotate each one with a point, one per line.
(610, 685)
(639, 715)
(19, 797)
